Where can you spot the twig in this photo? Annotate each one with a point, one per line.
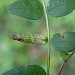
(61, 68)
(65, 61)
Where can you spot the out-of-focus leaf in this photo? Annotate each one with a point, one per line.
(64, 42)
(29, 38)
(30, 9)
(29, 70)
(61, 7)
(64, 55)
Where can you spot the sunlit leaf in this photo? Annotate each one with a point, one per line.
(30, 9)
(29, 70)
(29, 38)
(64, 42)
(61, 7)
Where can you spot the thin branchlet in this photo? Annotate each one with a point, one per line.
(65, 61)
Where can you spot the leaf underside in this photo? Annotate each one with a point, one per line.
(27, 9)
(61, 8)
(64, 42)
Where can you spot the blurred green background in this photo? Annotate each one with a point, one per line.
(14, 53)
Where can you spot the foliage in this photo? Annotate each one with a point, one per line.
(64, 42)
(61, 7)
(29, 70)
(34, 10)
(27, 9)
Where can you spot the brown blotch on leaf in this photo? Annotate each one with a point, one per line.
(62, 37)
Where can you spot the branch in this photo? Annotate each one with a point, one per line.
(65, 61)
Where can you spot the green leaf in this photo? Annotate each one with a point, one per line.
(29, 70)
(30, 9)
(64, 55)
(29, 38)
(64, 42)
(60, 8)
